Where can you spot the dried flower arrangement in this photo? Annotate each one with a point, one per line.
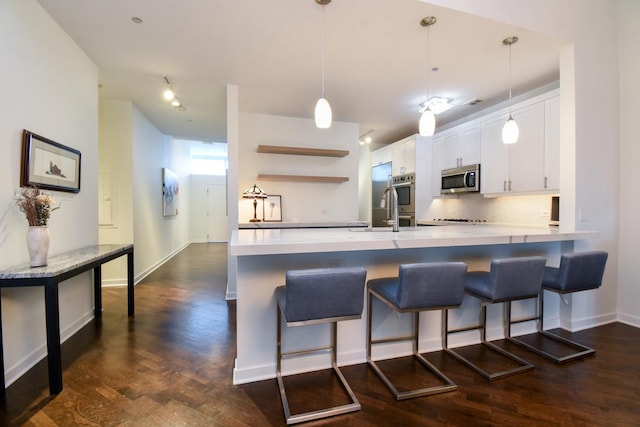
(36, 205)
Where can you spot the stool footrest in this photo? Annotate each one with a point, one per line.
(320, 413)
(523, 365)
(447, 385)
(583, 350)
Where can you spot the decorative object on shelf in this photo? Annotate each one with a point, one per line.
(272, 208)
(170, 193)
(427, 124)
(510, 131)
(323, 109)
(254, 192)
(48, 164)
(37, 208)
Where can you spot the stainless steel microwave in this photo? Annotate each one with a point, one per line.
(464, 179)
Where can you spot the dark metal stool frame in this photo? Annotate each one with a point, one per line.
(582, 350)
(448, 385)
(523, 365)
(354, 404)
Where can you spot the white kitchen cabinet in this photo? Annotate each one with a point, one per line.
(437, 164)
(519, 167)
(552, 144)
(382, 155)
(404, 156)
(494, 171)
(462, 146)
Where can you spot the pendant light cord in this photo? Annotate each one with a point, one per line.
(323, 51)
(428, 61)
(510, 80)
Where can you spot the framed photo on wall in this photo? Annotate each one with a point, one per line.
(170, 193)
(272, 209)
(48, 164)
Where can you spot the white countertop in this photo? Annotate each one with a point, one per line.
(302, 240)
(320, 224)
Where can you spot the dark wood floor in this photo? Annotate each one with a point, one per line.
(172, 366)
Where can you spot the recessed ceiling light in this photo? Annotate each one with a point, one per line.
(136, 20)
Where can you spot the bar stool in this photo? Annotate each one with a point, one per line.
(577, 272)
(418, 287)
(326, 295)
(508, 280)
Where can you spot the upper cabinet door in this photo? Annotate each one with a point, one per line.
(470, 141)
(494, 170)
(526, 157)
(451, 150)
(552, 145)
(382, 155)
(437, 152)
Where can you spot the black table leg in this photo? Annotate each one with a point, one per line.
(130, 299)
(54, 354)
(3, 392)
(97, 292)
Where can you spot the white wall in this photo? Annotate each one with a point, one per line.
(301, 202)
(629, 69)
(116, 162)
(589, 129)
(156, 237)
(50, 87)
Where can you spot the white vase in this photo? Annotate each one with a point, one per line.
(38, 245)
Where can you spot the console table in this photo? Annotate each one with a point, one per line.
(60, 268)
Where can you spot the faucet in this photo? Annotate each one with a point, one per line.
(392, 208)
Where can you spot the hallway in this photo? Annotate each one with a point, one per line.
(172, 365)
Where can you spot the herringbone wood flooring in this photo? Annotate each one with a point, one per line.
(172, 366)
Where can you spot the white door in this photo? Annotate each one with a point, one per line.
(217, 213)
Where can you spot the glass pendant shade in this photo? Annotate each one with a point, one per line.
(427, 124)
(510, 131)
(323, 114)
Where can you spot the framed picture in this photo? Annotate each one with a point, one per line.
(48, 164)
(272, 209)
(170, 193)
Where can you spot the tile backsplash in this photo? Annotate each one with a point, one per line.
(529, 210)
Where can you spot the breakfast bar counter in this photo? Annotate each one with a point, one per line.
(264, 255)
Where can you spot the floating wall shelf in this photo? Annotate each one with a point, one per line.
(302, 178)
(302, 151)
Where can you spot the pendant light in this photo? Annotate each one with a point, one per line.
(323, 109)
(510, 131)
(427, 124)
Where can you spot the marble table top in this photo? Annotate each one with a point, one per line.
(62, 263)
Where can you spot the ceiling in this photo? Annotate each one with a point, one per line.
(376, 59)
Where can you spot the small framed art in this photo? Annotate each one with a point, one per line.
(272, 209)
(48, 164)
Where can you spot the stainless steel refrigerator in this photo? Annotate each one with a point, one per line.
(379, 179)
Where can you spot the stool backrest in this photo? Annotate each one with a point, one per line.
(324, 293)
(514, 278)
(582, 270)
(438, 284)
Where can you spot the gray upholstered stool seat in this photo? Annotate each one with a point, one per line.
(509, 279)
(577, 272)
(418, 287)
(325, 295)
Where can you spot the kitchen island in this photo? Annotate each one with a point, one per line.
(264, 255)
